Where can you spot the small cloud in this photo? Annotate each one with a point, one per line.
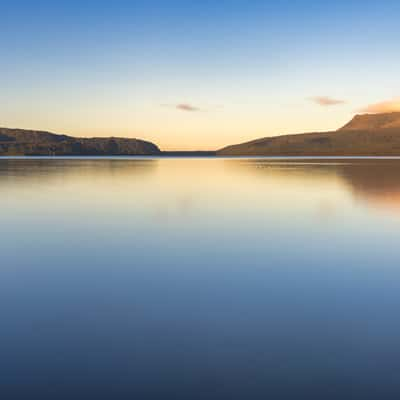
(326, 101)
(183, 107)
(383, 107)
(187, 107)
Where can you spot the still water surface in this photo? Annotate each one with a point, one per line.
(200, 278)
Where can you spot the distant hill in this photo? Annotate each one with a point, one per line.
(373, 121)
(367, 134)
(38, 143)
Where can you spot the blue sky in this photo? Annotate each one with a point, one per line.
(189, 74)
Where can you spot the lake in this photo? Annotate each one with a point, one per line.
(199, 278)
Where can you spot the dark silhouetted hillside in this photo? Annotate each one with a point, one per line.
(373, 122)
(38, 143)
(364, 135)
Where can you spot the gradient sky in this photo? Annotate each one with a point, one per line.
(196, 74)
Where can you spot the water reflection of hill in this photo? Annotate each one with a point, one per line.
(33, 170)
(376, 181)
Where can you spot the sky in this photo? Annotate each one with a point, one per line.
(196, 74)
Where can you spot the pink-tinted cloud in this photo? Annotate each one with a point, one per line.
(326, 101)
(388, 106)
(187, 107)
(183, 107)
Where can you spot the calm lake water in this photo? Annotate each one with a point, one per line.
(200, 278)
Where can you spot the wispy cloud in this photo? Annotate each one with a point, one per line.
(383, 107)
(187, 107)
(183, 107)
(326, 101)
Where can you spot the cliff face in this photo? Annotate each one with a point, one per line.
(38, 143)
(370, 134)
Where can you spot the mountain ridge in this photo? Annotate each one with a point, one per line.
(373, 121)
(364, 135)
(25, 142)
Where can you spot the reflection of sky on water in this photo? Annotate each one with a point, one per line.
(227, 278)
